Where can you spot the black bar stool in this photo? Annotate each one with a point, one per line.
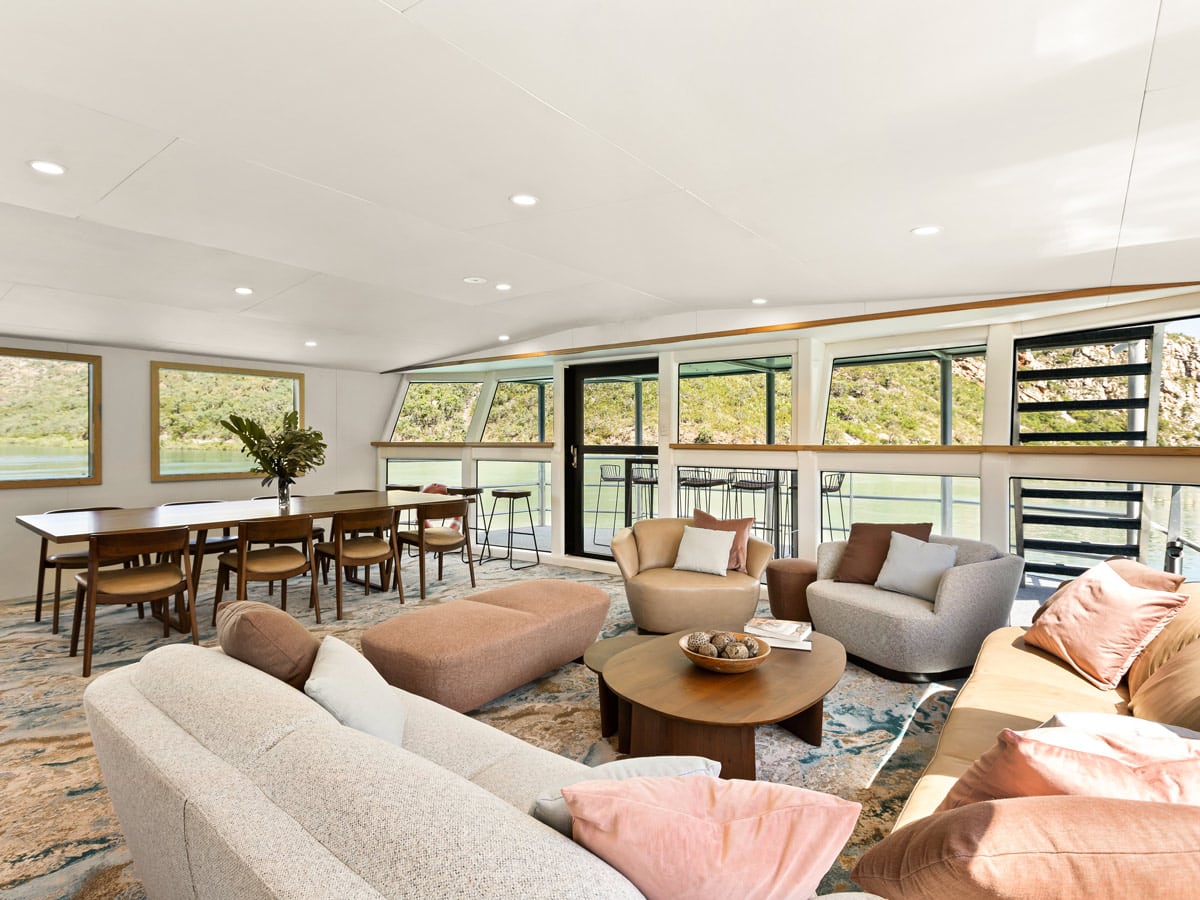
(831, 483)
(609, 475)
(470, 493)
(698, 483)
(745, 485)
(512, 496)
(644, 478)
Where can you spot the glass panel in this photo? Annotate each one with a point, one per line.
(45, 418)
(610, 412)
(1179, 398)
(950, 502)
(725, 402)
(420, 472)
(193, 401)
(514, 413)
(885, 403)
(437, 411)
(967, 379)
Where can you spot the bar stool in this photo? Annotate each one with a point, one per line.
(644, 478)
(471, 494)
(698, 483)
(746, 485)
(831, 483)
(512, 496)
(609, 475)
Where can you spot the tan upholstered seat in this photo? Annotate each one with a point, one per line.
(270, 563)
(171, 576)
(60, 560)
(663, 600)
(350, 548)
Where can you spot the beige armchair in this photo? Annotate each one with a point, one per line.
(663, 600)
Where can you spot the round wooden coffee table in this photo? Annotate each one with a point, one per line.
(675, 707)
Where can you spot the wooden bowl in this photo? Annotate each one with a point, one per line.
(727, 666)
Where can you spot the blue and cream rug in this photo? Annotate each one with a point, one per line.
(61, 839)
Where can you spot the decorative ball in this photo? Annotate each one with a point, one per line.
(750, 644)
(735, 650)
(696, 638)
(707, 649)
(721, 638)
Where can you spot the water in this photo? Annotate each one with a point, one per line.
(202, 462)
(24, 462)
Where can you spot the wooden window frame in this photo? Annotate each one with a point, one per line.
(95, 437)
(157, 366)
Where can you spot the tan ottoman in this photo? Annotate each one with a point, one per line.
(466, 652)
(787, 587)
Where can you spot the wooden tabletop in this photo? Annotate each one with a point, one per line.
(66, 527)
(657, 675)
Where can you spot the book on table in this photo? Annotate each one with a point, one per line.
(784, 629)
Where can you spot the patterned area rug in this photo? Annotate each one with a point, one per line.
(61, 839)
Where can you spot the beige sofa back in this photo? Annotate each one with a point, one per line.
(230, 783)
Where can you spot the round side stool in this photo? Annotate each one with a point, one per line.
(787, 588)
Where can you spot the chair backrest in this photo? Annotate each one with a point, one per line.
(752, 479)
(224, 531)
(703, 477)
(645, 473)
(611, 473)
(172, 543)
(355, 491)
(362, 520)
(285, 528)
(447, 510)
(831, 482)
(51, 512)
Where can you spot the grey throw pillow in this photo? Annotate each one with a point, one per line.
(345, 683)
(551, 808)
(915, 567)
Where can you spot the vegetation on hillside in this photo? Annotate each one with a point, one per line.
(191, 405)
(437, 411)
(44, 401)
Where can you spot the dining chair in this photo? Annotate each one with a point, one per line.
(212, 543)
(358, 540)
(271, 563)
(427, 537)
(154, 583)
(64, 559)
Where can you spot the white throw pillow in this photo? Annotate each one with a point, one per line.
(915, 567)
(349, 687)
(551, 808)
(704, 550)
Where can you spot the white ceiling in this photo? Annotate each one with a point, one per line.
(351, 160)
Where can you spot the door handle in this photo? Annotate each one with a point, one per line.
(574, 457)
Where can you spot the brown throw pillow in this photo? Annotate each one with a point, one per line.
(867, 548)
(1069, 848)
(267, 638)
(741, 535)
(1169, 695)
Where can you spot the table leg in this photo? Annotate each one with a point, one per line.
(608, 708)
(624, 720)
(732, 746)
(808, 724)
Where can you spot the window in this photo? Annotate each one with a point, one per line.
(621, 411)
(522, 411)
(49, 419)
(436, 411)
(187, 405)
(737, 401)
(929, 397)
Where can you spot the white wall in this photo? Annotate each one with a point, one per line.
(349, 407)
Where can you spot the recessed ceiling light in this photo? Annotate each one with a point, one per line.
(475, 279)
(244, 291)
(504, 287)
(927, 230)
(310, 343)
(523, 200)
(502, 337)
(47, 167)
(759, 301)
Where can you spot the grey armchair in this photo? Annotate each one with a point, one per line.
(910, 639)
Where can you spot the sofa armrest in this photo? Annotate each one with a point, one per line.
(758, 554)
(983, 590)
(625, 552)
(829, 555)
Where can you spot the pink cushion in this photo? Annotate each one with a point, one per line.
(1050, 761)
(699, 836)
(741, 535)
(1099, 623)
(454, 524)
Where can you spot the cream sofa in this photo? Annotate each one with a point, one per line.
(910, 638)
(229, 783)
(663, 600)
(1019, 687)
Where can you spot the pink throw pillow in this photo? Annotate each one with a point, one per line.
(1051, 761)
(455, 524)
(700, 836)
(741, 535)
(1099, 623)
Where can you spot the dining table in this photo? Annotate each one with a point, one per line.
(204, 516)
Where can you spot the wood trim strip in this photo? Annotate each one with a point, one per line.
(524, 445)
(996, 303)
(934, 449)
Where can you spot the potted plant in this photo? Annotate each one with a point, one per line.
(285, 455)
